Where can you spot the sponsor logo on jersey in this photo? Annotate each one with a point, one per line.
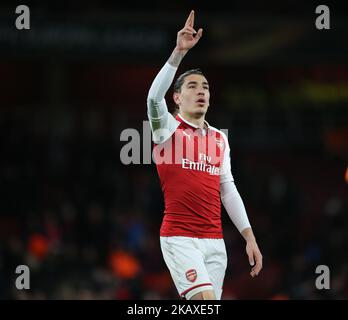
(200, 166)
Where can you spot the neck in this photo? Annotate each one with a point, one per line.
(191, 118)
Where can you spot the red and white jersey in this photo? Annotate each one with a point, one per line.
(191, 164)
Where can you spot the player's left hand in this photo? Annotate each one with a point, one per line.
(254, 255)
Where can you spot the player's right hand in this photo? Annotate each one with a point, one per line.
(188, 37)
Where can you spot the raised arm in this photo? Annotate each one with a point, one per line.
(162, 122)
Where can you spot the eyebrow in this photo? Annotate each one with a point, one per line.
(195, 82)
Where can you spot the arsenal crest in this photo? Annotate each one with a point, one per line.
(219, 143)
(191, 275)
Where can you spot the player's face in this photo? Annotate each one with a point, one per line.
(194, 96)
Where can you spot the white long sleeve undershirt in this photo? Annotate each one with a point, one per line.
(162, 123)
(234, 205)
(155, 100)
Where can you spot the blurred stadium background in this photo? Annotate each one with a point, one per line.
(88, 226)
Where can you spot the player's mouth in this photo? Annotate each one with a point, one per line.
(200, 101)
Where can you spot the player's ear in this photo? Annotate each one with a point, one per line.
(176, 98)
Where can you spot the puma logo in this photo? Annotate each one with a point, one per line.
(187, 135)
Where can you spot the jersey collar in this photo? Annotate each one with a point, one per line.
(182, 120)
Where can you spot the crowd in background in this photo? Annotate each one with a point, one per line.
(88, 226)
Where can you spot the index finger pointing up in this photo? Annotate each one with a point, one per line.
(190, 20)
